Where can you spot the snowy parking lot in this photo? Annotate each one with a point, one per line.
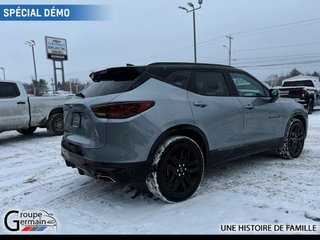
(260, 190)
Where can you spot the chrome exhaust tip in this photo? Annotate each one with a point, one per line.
(105, 177)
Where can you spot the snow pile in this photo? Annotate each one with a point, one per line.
(259, 191)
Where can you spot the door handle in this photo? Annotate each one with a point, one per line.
(21, 102)
(249, 106)
(199, 104)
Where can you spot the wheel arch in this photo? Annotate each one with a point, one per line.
(190, 131)
(54, 111)
(302, 119)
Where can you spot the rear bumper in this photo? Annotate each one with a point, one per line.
(112, 172)
(302, 101)
(298, 100)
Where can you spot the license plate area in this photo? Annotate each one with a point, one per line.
(76, 120)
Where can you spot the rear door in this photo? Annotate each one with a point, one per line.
(217, 112)
(263, 119)
(14, 111)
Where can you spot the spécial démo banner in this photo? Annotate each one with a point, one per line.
(52, 12)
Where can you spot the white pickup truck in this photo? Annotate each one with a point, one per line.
(304, 89)
(20, 112)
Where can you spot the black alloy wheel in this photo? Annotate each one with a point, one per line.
(177, 169)
(296, 139)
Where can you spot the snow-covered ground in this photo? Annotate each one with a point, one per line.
(260, 190)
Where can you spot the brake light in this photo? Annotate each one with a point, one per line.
(303, 93)
(121, 110)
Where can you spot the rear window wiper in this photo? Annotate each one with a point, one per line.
(80, 95)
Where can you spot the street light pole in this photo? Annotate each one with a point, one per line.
(4, 75)
(194, 35)
(193, 10)
(31, 44)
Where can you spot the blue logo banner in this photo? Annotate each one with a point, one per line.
(53, 12)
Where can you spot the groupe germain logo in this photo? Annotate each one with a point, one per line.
(30, 221)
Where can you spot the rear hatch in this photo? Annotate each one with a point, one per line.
(82, 126)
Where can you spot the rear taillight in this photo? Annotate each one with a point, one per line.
(121, 110)
(303, 92)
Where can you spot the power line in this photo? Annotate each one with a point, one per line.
(313, 21)
(289, 66)
(280, 56)
(279, 46)
(256, 31)
(280, 64)
(182, 50)
(278, 59)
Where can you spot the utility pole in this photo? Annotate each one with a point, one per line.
(230, 39)
(193, 10)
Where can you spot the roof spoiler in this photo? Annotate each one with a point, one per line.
(118, 73)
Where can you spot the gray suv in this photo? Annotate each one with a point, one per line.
(161, 124)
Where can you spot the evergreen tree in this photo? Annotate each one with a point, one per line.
(41, 87)
(37, 88)
(294, 72)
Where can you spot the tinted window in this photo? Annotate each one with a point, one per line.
(247, 86)
(125, 79)
(308, 83)
(178, 79)
(161, 71)
(9, 90)
(105, 87)
(210, 84)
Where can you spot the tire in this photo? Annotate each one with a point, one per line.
(27, 131)
(55, 125)
(310, 106)
(293, 141)
(177, 169)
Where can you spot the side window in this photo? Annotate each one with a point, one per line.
(210, 84)
(9, 90)
(179, 79)
(247, 86)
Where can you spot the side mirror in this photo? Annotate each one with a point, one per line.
(274, 94)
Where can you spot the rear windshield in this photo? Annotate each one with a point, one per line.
(308, 83)
(115, 80)
(105, 88)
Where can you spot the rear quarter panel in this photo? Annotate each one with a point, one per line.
(130, 140)
(290, 109)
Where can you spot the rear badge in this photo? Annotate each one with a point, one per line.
(284, 93)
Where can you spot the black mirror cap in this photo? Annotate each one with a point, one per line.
(274, 94)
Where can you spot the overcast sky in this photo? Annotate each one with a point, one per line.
(281, 33)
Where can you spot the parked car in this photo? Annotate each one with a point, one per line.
(20, 112)
(161, 124)
(304, 89)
